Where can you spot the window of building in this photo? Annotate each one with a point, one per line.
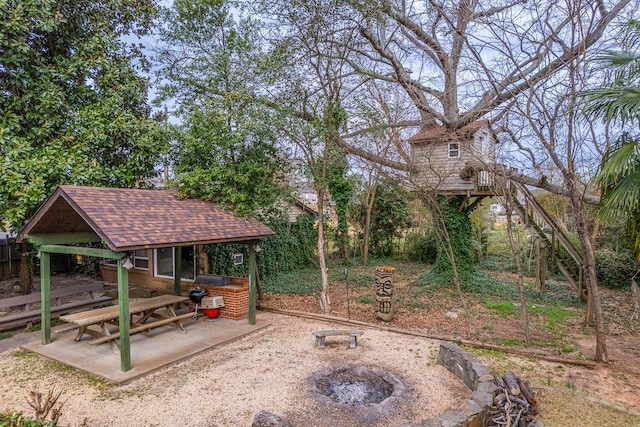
(141, 259)
(164, 262)
(485, 146)
(454, 150)
(110, 261)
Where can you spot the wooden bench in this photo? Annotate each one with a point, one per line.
(58, 307)
(143, 309)
(353, 336)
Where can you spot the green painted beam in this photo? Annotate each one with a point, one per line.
(79, 250)
(45, 297)
(63, 238)
(124, 321)
(252, 283)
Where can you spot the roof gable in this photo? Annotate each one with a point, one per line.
(127, 219)
(440, 133)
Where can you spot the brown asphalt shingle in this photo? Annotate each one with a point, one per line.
(435, 132)
(129, 219)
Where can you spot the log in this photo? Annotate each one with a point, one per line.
(525, 388)
(512, 383)
(514, 403)
(635, 291)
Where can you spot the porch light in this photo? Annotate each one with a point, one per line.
(127, 263)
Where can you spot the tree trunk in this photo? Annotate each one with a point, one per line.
(456, 225)
(371, 197)
(516, 256)
(590, 277)
(325, 301)
(635, 292)
(451, 225)
(25, 271)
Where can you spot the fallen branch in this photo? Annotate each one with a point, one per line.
(509, 408)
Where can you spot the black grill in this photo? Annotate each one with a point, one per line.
(196, 295)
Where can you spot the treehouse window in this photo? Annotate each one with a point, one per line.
(454, 150)
(484, 145)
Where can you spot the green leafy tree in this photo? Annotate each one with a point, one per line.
(211, 68)
(619, 179)
(618, 101)
(389, 216)
(237, 168)
(340, 186)
(73, 107)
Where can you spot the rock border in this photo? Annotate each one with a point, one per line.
(477, 377)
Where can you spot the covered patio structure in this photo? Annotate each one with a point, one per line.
(124, 220)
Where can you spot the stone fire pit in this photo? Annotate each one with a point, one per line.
(369, 391)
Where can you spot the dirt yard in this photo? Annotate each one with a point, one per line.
(268, 371)
(568, 391)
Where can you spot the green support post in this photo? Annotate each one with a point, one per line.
(124, 321)
(45, 296)
(252, 283)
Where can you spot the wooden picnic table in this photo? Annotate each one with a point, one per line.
(140, 311)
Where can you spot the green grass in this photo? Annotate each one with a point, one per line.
(300, 282)
(568, 348)
(16, 419)
(486, 353)
(366, 299)
(23, 354)
(505, 308)
(5, 335)
(553, 314)
(510, 342)
(308, 281)
(356, 277)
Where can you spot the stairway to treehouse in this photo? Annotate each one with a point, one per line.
(548, 238)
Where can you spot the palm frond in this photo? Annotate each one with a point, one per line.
(614, 103)
(625, 159)
(618, 58)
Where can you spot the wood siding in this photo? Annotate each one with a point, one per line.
(436, 172)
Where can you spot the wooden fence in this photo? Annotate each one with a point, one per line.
(9, 257)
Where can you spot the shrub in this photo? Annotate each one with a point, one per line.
(291, 248)
(422, 247)
(615, 267)
(16, 419)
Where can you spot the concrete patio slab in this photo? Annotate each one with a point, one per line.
(149, 350)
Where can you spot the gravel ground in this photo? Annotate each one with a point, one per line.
(226, 386)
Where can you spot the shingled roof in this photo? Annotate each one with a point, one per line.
(436, 132)
(127, 219)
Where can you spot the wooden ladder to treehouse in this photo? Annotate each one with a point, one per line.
(548, 238)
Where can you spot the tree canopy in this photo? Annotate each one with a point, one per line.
(73, 106)
(618, 101)
(209, 68)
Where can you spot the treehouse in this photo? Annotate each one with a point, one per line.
(454, 163)
(463, 163)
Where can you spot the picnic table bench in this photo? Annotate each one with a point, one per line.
(144, 308)
(58, 305)
(353, 336)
